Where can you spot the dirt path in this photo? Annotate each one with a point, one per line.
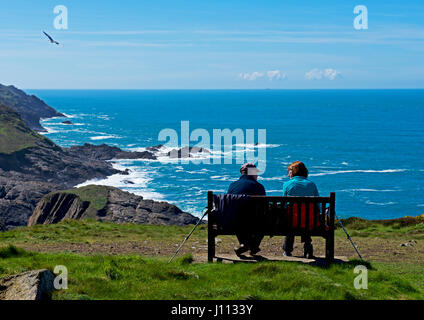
(371, 249)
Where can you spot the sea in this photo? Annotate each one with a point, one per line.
(367, 146)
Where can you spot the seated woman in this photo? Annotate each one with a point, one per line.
(299, 185)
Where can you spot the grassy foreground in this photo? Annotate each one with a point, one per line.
(109, 261)
(135, 277)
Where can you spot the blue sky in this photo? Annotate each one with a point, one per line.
(131, 44)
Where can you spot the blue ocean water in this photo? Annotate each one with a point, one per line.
(366, 145)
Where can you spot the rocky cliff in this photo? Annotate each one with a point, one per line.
(106, 204)
(30, 108)
(32, 166)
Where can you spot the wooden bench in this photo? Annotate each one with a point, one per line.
(282, 216)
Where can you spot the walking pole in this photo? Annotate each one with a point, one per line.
(348, 236)
(181, 245)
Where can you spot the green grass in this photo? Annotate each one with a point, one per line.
(89, 231)
(135, 277)
(131, 276)
(96, 195)
(385, 229)
(15, 135)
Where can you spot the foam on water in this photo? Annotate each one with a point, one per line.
(380, 203)
(356, 171)
(368, 190)
(139, 177)
(105, 137)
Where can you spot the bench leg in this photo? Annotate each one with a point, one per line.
(329, 246)
(211, 244)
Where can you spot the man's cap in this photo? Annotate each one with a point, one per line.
(249, 168)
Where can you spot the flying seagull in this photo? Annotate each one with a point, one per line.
(51, 39)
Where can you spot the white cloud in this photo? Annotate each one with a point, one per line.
(251, 76)
(317, 74)
(331, 74)
(272, 75)
(276, 75)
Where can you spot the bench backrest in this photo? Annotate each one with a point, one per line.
(275, 215)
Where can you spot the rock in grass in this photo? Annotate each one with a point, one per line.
(31, 285)
(410, 243)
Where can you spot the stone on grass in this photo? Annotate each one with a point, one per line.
(30, 285)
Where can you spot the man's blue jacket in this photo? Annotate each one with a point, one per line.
(246, 185)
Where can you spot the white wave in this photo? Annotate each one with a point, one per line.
(50, 118)
(103, 116)
(356, 171)
(163, 157)
(82, 115)
(217, 191)
(69, 125)
(345, 163)
(380, 203)
(139, 181)
(162, 154)
(62, 128)
(272, 178)
(221, 178)
(69, 115)
(50, 130)
(112, 136)
(259, 145)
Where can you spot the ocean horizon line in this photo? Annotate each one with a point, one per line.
(240, 89)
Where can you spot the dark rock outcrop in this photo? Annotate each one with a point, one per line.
(52, 164)
(154, 148)
(18, 197)
(105, 152)
(187, 152)
(2, 225)
(31, 285)
(30, 108)
(119, 207)
(184, 152)
(57, 207)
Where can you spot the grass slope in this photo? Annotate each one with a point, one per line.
(96, 195)
(96, 271)
(136, 277)
(15, 135)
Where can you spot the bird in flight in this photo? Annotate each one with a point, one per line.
(51, 39)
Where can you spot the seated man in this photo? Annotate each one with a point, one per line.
(247, 184)
(299, 185)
